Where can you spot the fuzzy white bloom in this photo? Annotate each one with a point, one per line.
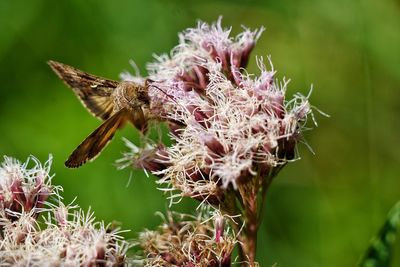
(67, 236)
(236, 130)
(186, 240)
(24, 188)
(228, 127)
(231, 132)
(79, 242)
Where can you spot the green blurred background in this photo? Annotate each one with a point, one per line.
(322, 210)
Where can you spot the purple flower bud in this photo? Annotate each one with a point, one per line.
(101, 251)
(175, 127)
(43, 195)
(302, 110)
(194, 174)
(201, 74)
(17, 195)
(201, 118)
(168, 257)
(235, 69)
(222, 57)
(236, 58)
(61, 215)
(277, 105)
(219, 225)
(245, 53)
(208, 46)
(153, 160)
(212, 143)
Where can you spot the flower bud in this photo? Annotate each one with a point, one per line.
(219, 225)
(23, 189)
(212, 143)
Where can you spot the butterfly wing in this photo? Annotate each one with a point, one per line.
(138, 119)
(93, 91)
(97, 140)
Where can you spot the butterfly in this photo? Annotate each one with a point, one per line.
(116, 103)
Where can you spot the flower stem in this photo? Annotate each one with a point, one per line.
(252, 198)
(249, 198)
(250, 246)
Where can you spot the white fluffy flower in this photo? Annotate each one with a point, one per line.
(227, 126)
(67, 237)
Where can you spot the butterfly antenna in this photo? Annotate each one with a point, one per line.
(150, 82)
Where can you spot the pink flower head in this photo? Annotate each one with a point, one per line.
(23, 188)
(227, 126)
(67, 236)
(185, 240)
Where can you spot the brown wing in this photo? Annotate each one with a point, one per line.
(93, 91)
(138, 119)
(97, 140)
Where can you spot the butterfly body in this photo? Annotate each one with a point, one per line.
(129, 95)
(113, 102)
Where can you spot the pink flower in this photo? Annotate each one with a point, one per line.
(24, 189)
(185, 240)
(67, 236)
(227, 126)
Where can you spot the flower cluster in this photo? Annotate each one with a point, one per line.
(66, 236)
(228, 126)
(231, 131)
(185, 240)
(23, 189)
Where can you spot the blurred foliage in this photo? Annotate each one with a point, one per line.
(379, 253)
(322, 210)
